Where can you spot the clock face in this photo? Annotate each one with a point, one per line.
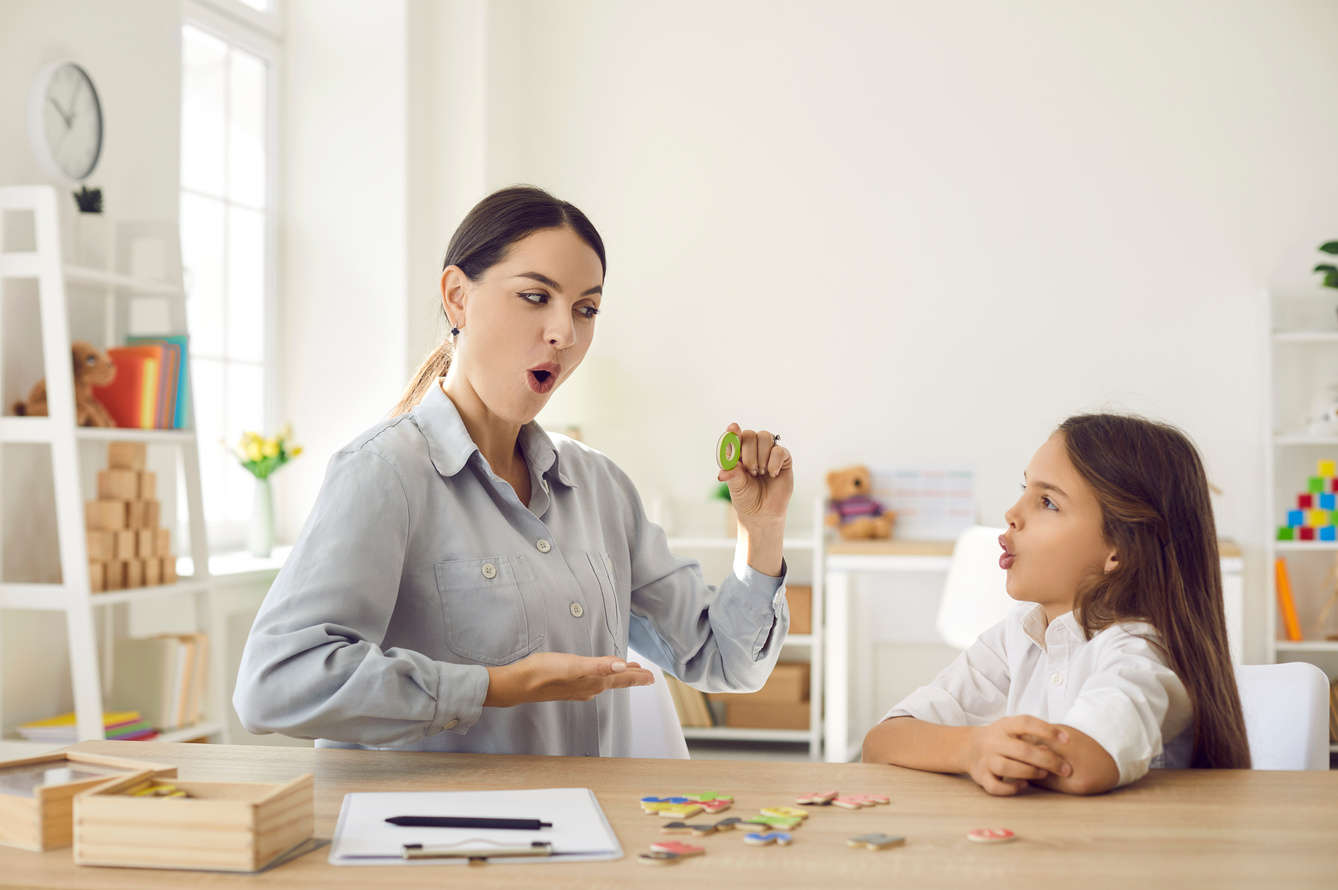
(69, 121)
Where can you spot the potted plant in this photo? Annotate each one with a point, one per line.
(1329, 270)
(261, 457)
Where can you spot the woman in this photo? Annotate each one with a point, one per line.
(466, 582)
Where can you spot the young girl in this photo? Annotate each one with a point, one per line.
(1117, 661)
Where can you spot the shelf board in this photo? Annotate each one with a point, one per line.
(731, 733)
(1305, 336)
(1299, 438)
(1307, 646)
(149, 437)
(126, 284)
(1305, 545)
(181, 588)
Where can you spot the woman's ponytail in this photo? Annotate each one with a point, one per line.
(437, 363)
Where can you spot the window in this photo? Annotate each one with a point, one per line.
(228, 94)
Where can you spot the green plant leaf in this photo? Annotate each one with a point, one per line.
(722, 491)
(1331, 279)
(1325, 267)
(1329, 247)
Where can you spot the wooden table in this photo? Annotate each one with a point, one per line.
(1184, 829)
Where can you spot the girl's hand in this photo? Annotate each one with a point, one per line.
(1008, 753)
(761, 485)
(557, 676)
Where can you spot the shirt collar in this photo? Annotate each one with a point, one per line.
(450, 447)
(1036, 629)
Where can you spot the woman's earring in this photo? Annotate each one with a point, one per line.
(455, 331)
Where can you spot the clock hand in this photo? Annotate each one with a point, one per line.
(63, 116)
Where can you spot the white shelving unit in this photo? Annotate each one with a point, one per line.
(812, 642)
(82, 609)
(1301, 355)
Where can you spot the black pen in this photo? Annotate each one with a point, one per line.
(467, 822)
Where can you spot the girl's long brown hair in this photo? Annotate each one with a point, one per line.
(1157, 515)
(482, 240)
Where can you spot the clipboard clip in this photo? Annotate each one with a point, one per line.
(471, 850)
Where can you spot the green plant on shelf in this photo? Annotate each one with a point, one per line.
(1329, 269)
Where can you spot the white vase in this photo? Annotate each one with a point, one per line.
(260, 536)
(93, 245)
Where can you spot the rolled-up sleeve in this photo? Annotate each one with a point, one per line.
(972, 691)
(1125, 704)
(313, 665)
(717, 639)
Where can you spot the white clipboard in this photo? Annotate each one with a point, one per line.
(580, 831)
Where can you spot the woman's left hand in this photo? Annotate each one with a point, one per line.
(761, 484)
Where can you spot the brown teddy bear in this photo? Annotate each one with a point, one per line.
(851, 511)
(91, 368)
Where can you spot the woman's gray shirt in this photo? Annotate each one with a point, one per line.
(418, 567)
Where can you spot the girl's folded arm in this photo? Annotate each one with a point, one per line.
(906, 741)
(1094, 770)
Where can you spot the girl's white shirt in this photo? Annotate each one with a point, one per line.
(1115, 687)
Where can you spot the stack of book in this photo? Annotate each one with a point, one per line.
(124, 726)
(162, 677)
(691, 704)
(152, 385)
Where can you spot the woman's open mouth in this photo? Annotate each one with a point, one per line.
(542, 378)
(1005, 558)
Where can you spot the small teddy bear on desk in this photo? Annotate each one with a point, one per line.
(851, 511)
(91, 368)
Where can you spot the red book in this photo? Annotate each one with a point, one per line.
(132, 398)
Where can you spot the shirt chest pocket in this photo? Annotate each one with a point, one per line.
(602, 567)
(492, 608)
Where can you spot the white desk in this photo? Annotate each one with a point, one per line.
(838, 565)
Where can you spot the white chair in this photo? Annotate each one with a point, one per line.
(656, 731)
(975, 597)
(1286, 714)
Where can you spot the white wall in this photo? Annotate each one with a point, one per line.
(912, 231)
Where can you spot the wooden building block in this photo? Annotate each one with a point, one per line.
(118, 485)
(127, 455)
(135, 514)
(125, 545)
(152, 514)
(164, 546)
(169, 569)
(791, 716)
(146, 543)
(97, 577)
(148, 486)
(108, 516)
(153, 572)
(101, 546)
(113, 575)
(134, 574)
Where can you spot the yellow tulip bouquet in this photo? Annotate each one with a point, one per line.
(261, 456)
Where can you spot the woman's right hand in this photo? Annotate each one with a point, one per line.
(557, 676)
(1006, 754)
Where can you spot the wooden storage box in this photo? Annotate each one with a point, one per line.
(225, 826)
(746, 715)
(800, 598)
(788, 684)
(36, 806)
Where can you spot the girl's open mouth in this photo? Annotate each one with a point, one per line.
(1005, 558)
(543, 378)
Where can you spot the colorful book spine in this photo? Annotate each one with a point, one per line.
(1286, 603)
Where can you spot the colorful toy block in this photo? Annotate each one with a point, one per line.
(1326, 502)
(1317, 518)
(1295, 518)
(1307, 534)
(1326, 468)
(1327, 533)
(1315, 484)
(1305, 501)
(1285, 533)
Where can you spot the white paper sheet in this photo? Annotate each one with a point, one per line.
(580, 831)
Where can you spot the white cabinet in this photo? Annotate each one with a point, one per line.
(1301, 351)
(77, 452)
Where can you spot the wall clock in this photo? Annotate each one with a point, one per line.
(65, 120)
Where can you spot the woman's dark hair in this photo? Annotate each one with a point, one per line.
(482, 240)
(1157, 516)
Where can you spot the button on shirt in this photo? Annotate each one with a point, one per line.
(1115, 687)
(418, 568)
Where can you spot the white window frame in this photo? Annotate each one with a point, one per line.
(261, 34)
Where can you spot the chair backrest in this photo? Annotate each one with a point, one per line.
(1286, 710)
(656, 731)
(974, 596)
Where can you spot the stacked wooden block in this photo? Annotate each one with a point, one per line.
(126, 546)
